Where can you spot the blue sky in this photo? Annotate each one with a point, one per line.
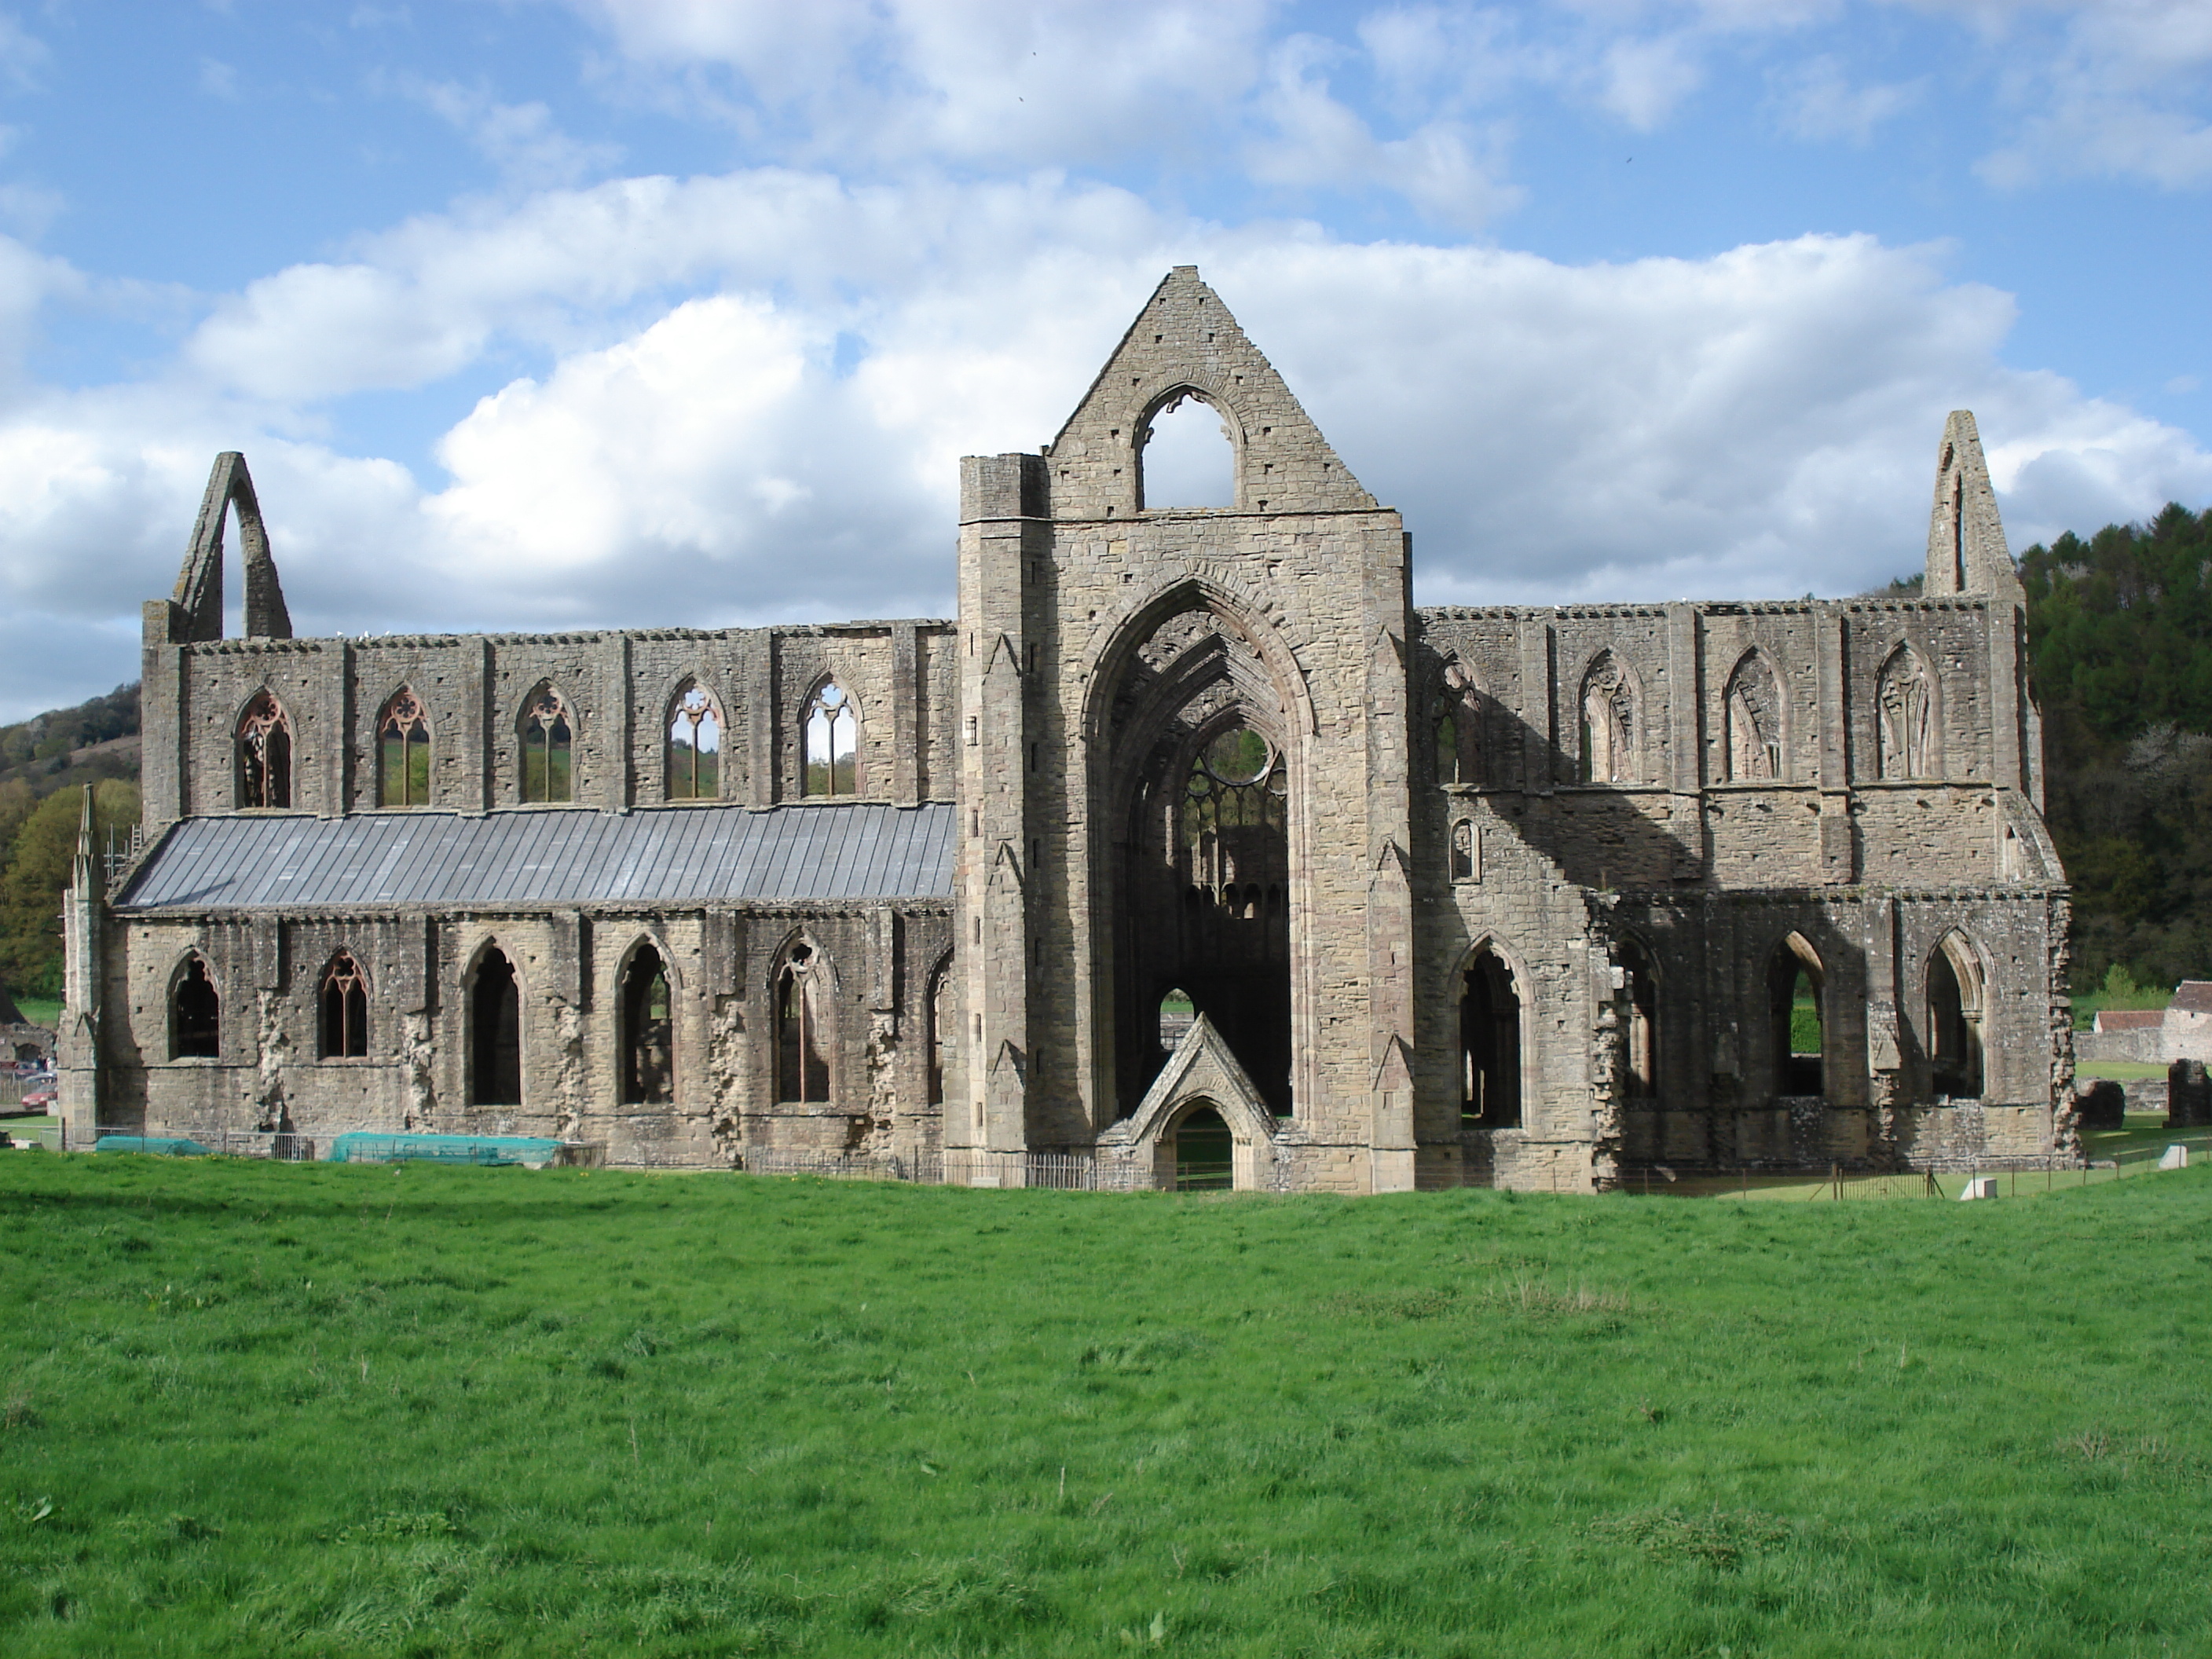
(534, 314)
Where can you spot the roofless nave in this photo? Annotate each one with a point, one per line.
(1516, 896)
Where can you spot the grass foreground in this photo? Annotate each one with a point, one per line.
(322, 1409)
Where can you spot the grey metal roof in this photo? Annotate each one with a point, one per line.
(853, 850)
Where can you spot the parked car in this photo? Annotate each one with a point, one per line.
(39, 1100)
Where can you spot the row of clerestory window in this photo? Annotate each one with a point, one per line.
(1610, 733)
(804, 1013)
(546, 736)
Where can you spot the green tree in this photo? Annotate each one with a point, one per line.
(36, 872)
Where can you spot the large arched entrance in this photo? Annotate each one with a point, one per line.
(1202, 795)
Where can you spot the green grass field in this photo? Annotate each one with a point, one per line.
(316, 1409)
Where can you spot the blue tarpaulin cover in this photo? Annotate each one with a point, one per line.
(361, 1147)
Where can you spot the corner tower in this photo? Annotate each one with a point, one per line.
(1182, 770)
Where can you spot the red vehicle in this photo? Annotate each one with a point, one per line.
(39, 1100)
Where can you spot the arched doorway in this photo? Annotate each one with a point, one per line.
(495, 1033)
(1201, 863)
(1204, 1152)
(1954, 1019)
(1796, 1017)
(648, 1057)
(1489, 1043)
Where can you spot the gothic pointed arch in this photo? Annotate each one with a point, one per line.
(342, 1023)
(804, 988)
(830, 740)
(546, 736)
(943, 1011)
(696, 733)
(1611, 721)
(645, 1040)
(1197, 751)
(199, 583)
(1752, 718)
(403, 751)
(1492, 992)
(1458, 727)
(1907, 717)
(194, 1009)
(493, 989)
(1956, 1004)
(1796, 1017)
(263, 746)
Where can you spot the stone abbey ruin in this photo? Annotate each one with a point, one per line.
(1509, 896)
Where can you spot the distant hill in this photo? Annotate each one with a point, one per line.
(96, 739)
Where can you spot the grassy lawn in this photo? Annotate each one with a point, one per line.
(319, 1409)
(40, 1011)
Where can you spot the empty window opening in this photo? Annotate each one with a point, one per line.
(1752, 711)
(402, 761)
(1906, 712)
(1954, 1019)
(802, 1045)
(1186, 457)
(1466, 858)
(1794, 981)
(194, 1014)
(695, 746)
(1204, 1153)
(548, 743)
(1959, 531)
(345, 1009)
(1459, 741)
(832, 738)
(495, 1034)
(1177, 1015)
(649, 1031)
(1489, 1044)
(1640, 1077)
(942, 1030)
(265, 753)
(1608, 722)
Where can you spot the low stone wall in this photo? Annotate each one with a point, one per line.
(2143, 1046)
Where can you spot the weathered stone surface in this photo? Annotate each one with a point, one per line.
(2102, 1105)
(1513, 895)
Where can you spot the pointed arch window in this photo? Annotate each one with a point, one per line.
(1753, 715)
(1608, 722)
(1955, 998)
(832, 734)
(1797, 1018)
(1466, 851)
(344, 1022)
(802, 1027)
(1459, 731)
(1490, 1043)
(694, 745)
(1906, 712)
(265, 753)
(195, 1013)
(549, 747)
(648, 1036)
(402, 762)
(495, 1033)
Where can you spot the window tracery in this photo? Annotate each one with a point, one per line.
(1905, 711)
(1753, 711)
(1608, 722)
(694, 745)
(832, 739)
(404, 751)
(802, 1070)
(265, 753)
(344, 1009)
(549, 736)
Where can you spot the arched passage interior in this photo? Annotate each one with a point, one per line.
(1797, 1018)
(1489, 1043)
